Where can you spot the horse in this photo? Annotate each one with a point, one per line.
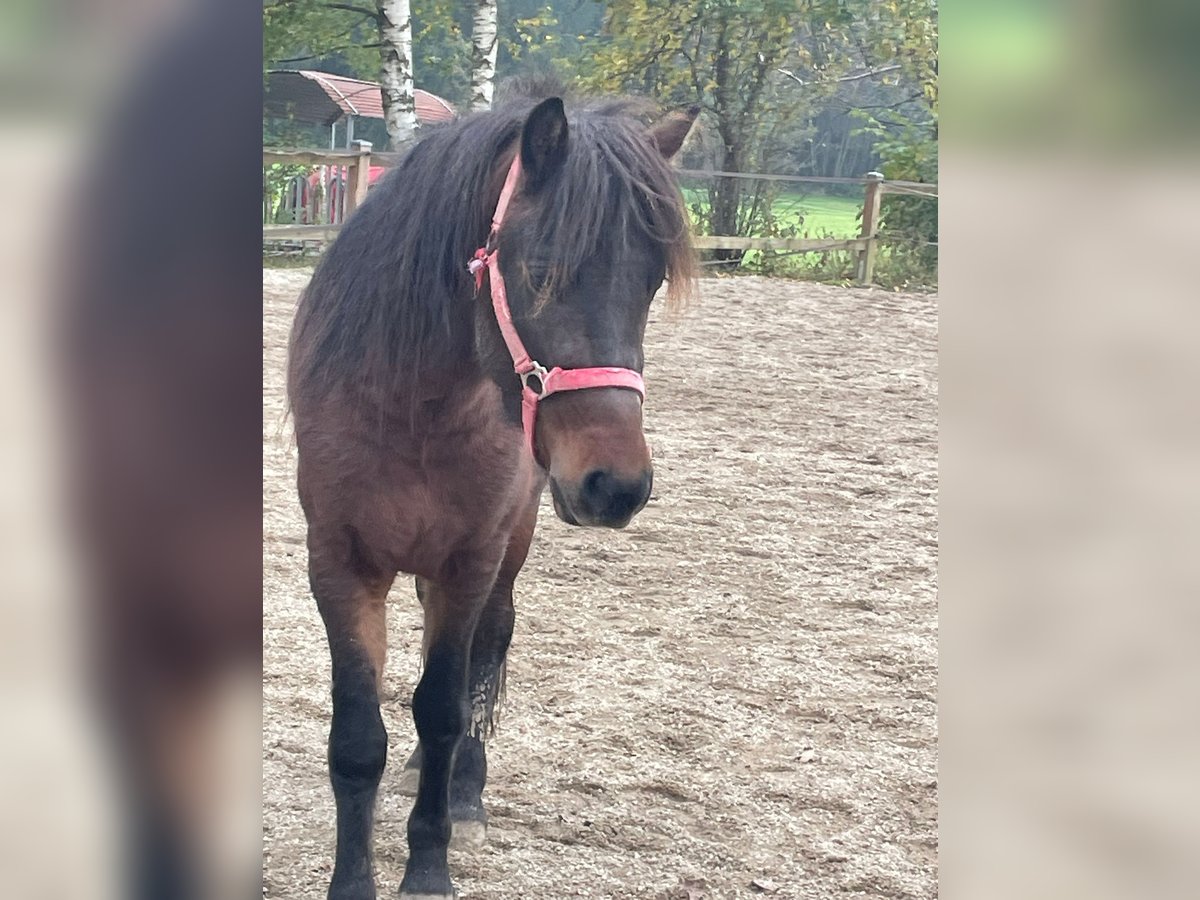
(427, 422)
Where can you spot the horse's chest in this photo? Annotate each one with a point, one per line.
(450, 491)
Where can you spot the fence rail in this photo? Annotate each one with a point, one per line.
(865, 246)
(315, 157)
(793, 245)
(332, 200)
(889, 186)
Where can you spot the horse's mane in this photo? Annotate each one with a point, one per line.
(385, 296)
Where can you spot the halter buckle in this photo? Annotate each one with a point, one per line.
(541, 373)
(476, 267)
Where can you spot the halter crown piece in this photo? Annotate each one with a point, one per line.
(547, 381)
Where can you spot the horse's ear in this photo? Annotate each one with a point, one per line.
(668, 134)
(544, 141)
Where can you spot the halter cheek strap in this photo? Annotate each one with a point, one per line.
(537, 382)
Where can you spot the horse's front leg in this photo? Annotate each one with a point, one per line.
(492, 635)
(351, 596)
(441, 711)
(488, 650)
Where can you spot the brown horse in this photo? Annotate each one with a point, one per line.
(412, 456)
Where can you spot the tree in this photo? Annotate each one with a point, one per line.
(484, 46)
(442, 49)
(906, 136)
(725, 55)
(763, 71)
(344, 37)
(396, 74)
(359, 40)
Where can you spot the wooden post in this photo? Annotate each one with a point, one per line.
(358, 177)
(870, 225)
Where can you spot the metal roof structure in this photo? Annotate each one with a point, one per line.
(322, 98)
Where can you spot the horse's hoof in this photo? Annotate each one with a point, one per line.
(427, 884)
(410, 780)
(352, 889)
(468, 835)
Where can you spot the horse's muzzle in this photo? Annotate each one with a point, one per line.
(602, 498)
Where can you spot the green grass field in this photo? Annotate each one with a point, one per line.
(813, 214)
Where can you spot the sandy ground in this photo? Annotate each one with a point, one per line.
(735, 696)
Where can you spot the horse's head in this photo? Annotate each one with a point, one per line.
(595, 227)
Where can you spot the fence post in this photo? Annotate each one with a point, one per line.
(870, 225)
(357, 178)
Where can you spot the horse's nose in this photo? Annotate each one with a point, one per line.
(612, 500)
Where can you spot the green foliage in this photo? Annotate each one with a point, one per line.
(533, 35)
(909, 224)
(290, 133)
(534, 38)
(303, 33)
(442, 49)
(761, 70)
(277, 180)
(695, 52)
(906, 141)
(904, 137)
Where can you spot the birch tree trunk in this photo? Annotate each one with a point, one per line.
(483, 54)
(396, 75)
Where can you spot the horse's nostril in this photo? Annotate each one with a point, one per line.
(610, 498)
(597, 486)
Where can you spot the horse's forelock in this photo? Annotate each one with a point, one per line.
(614, 185)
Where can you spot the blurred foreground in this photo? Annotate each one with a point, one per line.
(131, 517)
(1070, 434)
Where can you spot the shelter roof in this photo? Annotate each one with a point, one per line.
(323, 98)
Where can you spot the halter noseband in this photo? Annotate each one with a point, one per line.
(548, 381)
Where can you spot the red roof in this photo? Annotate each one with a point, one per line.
(292, 91)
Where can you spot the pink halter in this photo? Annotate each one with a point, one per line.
(549, 381)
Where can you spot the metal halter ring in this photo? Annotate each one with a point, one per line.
(541, 373)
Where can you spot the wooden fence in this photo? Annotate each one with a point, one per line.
(344, 190)
(356, 165)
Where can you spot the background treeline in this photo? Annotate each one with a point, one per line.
(833, 88)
